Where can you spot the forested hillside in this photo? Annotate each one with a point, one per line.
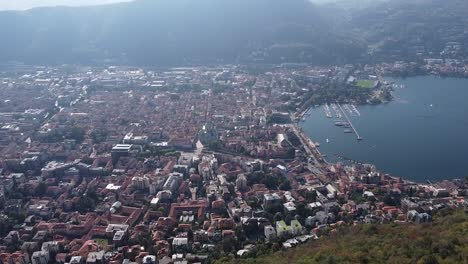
(443, 241)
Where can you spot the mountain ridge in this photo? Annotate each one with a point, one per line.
(172, 32)
(187, 32)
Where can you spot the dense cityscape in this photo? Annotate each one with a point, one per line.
(187, 165)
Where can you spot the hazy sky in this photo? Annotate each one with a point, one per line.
(27, 4)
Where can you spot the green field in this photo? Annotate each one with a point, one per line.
(365, 83)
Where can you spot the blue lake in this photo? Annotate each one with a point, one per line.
(421, 135)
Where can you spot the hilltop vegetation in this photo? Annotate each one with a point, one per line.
(412, 30)
(443, 241)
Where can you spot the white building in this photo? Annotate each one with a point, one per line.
(296, 228)
(149, 259)
(270, 232)
(40, 257)
(140, 183)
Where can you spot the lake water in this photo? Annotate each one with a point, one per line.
(421, 135)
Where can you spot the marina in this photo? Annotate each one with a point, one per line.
(327, 111)
(355, 110)
(350, 124)
(405, 137)
(347, 107)
(338, 112)
(341, 117)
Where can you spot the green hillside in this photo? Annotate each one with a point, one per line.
(443, 241)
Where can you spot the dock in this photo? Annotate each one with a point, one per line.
(355, 110)
(350, 123)
(326, 108)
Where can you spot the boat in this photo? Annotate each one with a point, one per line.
(355, 110)
(326, 109)
(348, 131)
(338, 123)
(341, 123)
(328, 141)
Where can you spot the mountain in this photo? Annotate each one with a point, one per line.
(184, 32)
(412, 30)
(162, 32)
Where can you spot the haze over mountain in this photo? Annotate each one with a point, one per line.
(413, 30)
(175, 32)
(28, 4)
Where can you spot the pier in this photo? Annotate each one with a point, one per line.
(355, 110)
(349, 122)
(326, 108)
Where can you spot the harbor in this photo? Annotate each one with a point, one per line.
(405, 137)
(350, 123)
(341, 112)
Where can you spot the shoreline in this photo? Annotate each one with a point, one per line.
(300, 133)
(300, 114)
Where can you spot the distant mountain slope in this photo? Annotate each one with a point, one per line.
(176, 32)
(401, 29)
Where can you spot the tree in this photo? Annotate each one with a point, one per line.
(41, 189)
(240, 234)
(162, 210)
(253, 202)
(291, 153)
(229, 244)
(391, 200)
(285, 186)
(270, 181)
(430, 259)
(310, 196)
(99, 135)
(278, 217)
(77, 133)
(302, 210)
(6, 225)
(190, 235)
(87, 202)
(255, 177)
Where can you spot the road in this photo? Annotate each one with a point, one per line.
(310, 150)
